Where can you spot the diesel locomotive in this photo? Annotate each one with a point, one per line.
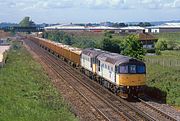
(123, 75)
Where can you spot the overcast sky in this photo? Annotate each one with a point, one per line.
(76, 11)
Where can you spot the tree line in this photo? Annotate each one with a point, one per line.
(130, 46)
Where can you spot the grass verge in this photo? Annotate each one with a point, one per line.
(165, 77)
(26, 93)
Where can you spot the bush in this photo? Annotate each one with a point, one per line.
(161, 44)
(158, 52)
(132, 47)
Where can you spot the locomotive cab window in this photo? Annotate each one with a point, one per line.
(132, 68)
(141, 69)
(123, 69)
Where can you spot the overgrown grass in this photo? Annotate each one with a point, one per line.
(166, 78)
(175, 36)
(26, 93)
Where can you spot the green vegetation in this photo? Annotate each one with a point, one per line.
(74, 39)
(163, 72)
(111, 45)
(170, 40)
(129, 45)
(26, 93)
(26, 22)
(132, 47)
(144, 24)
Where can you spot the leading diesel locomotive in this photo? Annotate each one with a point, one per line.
(123, 75)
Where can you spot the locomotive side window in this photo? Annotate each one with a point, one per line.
(91, 62)
(102, 65)
(111, 68)
(99, 65)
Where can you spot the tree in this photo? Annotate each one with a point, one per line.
(131, 46)
(161, 45)
(119, 25)
(67, 40)
(26, 22)
(108, 34)
(109, 45)
(144, 24)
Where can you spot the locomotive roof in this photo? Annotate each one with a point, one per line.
(116, 59)
(92, 52)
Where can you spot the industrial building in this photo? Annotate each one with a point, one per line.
(131, 29)
(167, 27)
(72, 27)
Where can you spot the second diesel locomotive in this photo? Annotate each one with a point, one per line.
(123, 75)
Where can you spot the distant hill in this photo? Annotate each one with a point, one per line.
(4, 24)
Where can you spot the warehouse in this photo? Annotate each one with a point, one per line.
(3, 54)
(72, 27)
(167, 27)
(131, 29)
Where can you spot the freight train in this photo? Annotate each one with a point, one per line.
(123, 75)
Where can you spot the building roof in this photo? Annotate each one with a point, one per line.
(65, 27)
(102, 28)
(2, 50)
(146, 36)
(167, 25)
(75, 27)
(133, 28)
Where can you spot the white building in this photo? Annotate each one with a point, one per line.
(131, 29)
(72, 27)
(167, 27)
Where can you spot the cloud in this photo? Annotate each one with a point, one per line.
(158, 4)
(176, 4)
(104, 3)
(55, 4)
(91, 4)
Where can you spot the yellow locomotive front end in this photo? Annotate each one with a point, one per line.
(131, 78)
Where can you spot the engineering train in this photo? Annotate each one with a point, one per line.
(123, 75)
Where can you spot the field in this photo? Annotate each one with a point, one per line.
(169, 37)
(163, 72)
(26, 93)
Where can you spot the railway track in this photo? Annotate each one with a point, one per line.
(160, 115)
(101, 106)
(107, 104)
